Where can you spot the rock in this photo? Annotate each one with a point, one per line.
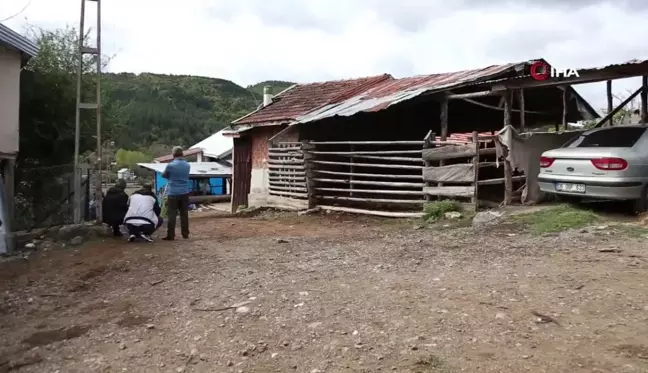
(76, 241)
(67, 232)
(122, 346)
(274, 355)
(150, 326)
(486, 218)
(281, 240)
(180, 369)
(30, 246)
(453, 215)
(500, 315)
(230, 363)
(242, 309)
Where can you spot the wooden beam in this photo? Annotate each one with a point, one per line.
(644, 99)
(377, 176)
(398, 166)
(565, 92)
(426, 146)
(373, 191)
(380, 157)
(387, 214)
(610, 102)
(475, 164)
(450, 191)
(444, 119)
(367, 152)
(585, 77)
(367, 142)
(456, 173)
(395, 184)
(448, 152)
(375, 200)
(470, 95)
(522, 112)
(507, 108)
(9, 172)
(618, 108)
(501, 180)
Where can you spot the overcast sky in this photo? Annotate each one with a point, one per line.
(248, 41)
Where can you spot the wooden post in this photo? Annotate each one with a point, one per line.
(352, 168)
(475, 197)
(644, 99)
(444, 125)
(522, 114)
(610, 104)
(9, 172)
(565, 92)
(426, 145)
(310, 175)
(507, 108)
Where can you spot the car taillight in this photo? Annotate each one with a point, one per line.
(546, 162)
(610, 164)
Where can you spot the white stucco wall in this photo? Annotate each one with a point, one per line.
(9, 100)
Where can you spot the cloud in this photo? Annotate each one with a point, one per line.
(312, 40)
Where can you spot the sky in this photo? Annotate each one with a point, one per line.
(248, 41)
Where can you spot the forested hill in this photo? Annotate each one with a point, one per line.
(148, 109)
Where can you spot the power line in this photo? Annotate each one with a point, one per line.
(17, 14)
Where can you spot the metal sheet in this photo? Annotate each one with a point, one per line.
(14, 40)
(202, 169)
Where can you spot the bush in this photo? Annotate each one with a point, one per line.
(436, 210)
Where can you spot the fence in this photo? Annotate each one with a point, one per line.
(391, 178)
(45, 196)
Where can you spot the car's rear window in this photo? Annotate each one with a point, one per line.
(621, 137)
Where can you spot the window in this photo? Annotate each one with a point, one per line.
(620, 137)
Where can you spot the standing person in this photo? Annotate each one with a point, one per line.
(177, 172)
(114, 206)
(143, 216)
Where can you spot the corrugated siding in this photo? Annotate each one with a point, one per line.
(14, 40)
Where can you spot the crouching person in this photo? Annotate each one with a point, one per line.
(143, 216)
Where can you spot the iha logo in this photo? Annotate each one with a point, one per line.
(541, 70)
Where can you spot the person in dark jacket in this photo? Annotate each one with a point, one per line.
(114, 206)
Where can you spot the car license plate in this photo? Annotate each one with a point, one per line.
(570, 188)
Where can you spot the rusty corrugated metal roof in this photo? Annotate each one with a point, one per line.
(393, 91)
(303, 98)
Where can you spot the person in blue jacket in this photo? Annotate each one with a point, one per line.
(177, 174)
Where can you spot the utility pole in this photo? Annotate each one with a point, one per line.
(82, 51)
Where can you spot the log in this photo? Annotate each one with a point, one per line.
(283, 174)
(372, 191)
(419, 142)
(286, 161)
(643, 110)
(287, 154)
(291, 183)
(500, 180)
(387, 214)
(287, 189)
(288, 179)
(522, 113)
(370, 182)
(476, 165)
(367, 152)
(450, 191)
(395, 159)
(290, 194)
(209, 199)
(378, 176)
(463, 96)
(288, 149)
(286, 167)
(610, 102)
(456, 173)
(410, 167)
(374, 200)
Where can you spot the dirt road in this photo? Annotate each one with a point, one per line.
(331, 293)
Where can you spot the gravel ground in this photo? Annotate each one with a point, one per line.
(330, 293)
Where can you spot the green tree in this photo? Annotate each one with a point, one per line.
(48, 100)
(130, 158)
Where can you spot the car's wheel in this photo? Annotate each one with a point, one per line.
(641, 205)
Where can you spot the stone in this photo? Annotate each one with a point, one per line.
(30, 246)
(453, 215)
(242, 309)
(486, 218)
(76, 241)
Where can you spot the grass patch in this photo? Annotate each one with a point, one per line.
(556, 219)
(436, 210)
(631, 230)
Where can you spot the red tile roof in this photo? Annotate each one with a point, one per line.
(304, 98)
